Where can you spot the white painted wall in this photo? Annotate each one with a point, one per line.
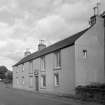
(66, 72)
(91, 68)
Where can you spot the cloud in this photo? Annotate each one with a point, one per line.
(5, 31)
(49, 28)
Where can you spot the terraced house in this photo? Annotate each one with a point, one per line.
(59, 68)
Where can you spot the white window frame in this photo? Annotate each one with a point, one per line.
(16, 69)
(17, 81)
(31, 67)
(43, 63)
(30, 81)
(56, 79)
(84, 53)
(23, 80)
(58, 58)
(22, 67)
(43, 81)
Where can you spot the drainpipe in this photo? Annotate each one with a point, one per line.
(103, 16)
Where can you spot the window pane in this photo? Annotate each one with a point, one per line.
(30, 67)
(22, 67)
(43, 63)
(56, 77)
(31, 81)
(58, 59)
(85, 53)
(43, 81)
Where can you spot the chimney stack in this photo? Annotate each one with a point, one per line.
(96, 13)
(41, 45)
(27, 52)
(92, 20)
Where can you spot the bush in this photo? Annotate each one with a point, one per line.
(91, 92)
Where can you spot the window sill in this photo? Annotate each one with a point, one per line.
(30, 86)
(57, 68)
(42, 70)
(42, 87)
(30, 73)
(56, 86)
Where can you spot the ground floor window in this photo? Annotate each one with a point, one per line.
(30, 82)
(43, 81)
(17, 81)
(56, 79)
(23, 80)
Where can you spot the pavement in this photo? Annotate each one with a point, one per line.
(10, 96)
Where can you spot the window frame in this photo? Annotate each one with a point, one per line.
(43, 63)
(31, 67)
(22, 67)
(58, 58)
(22, 80)
(30, 81)
(43, 81)
(84, 51)
(56, 79)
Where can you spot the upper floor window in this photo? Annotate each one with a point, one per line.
(58, 59)
(31, 67)
(17, 69)
(84, 53)
(22, 67)
(43, 63)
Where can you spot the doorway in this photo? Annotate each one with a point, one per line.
(37, 83)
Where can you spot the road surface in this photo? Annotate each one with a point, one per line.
(9, 96)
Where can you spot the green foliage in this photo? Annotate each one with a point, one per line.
(5, 74)
(9, 76)
(3, 70)
(95, 91)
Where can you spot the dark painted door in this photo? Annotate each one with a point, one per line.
(37, 83)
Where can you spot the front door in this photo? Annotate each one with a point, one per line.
(37, 83)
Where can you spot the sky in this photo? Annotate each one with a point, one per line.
(24, 22)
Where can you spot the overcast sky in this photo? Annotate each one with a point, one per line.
(24, 22)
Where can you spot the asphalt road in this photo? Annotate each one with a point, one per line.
(9, 96)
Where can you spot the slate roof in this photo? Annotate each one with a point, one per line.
(58, 45)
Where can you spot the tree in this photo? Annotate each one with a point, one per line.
(3, 70)
(9, 75)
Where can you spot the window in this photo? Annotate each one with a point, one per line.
(23, 80)
(31, 81)
(43, 81)
(56, 79)
(43, 63)
(22, 67)
(31, 67)
(16, 69)
(58, 59)
(17, 81)
(84, 53)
